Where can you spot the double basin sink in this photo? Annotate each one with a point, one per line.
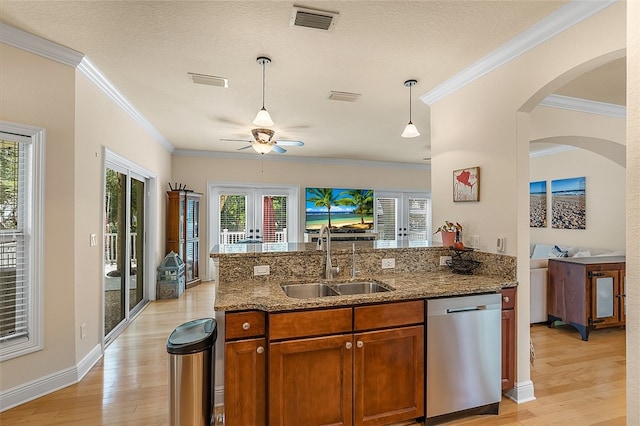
(305, 291)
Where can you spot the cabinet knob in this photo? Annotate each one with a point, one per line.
(506, 299)
(348, 345)
(260, 349)
(246, 326)
(359, 344)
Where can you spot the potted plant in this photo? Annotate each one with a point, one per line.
(449, 231)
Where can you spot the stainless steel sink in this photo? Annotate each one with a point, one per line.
(362, 287)
(305, 291)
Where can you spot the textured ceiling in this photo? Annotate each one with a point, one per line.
(146, 49)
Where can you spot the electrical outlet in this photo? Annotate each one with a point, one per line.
(261, 270)
(474, 241)
(388, 263)
(445, 260)
(93, 240)
(83, 330)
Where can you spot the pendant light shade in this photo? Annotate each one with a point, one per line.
(262, 148)
(410, 131)
(263, 118)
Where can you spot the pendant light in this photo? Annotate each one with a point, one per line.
(263, 118)
(410, 131)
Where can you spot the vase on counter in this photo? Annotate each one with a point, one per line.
(448, 238)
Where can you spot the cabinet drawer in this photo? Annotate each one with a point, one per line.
(508, 298)
(287, 325)
(241, 325)
(389, 315)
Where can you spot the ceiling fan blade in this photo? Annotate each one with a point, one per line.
(289, 143)
(278, 149)
(235, 140)
(244, 147)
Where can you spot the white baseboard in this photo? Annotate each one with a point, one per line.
(48, 384)
(522, 392)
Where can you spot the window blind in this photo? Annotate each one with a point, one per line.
(387, 218)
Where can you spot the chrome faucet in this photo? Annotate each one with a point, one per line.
(329, 268)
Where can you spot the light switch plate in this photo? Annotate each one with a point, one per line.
(388, 263)
(261, 270)
(93, 240)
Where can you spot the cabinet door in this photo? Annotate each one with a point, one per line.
(389, 375)
(310, 381)
(508, 348)
(604, 297)
(245, 382)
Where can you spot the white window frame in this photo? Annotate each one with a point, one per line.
(402, 210)
(34, 230)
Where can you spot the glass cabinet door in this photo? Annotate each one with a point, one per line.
(605, 297)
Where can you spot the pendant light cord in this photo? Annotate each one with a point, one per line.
(410, 87)
(263, 66)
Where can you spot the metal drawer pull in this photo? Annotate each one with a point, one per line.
(246, 326)
(348, 345)
(360, 343)
(260, 349)
(506, 299)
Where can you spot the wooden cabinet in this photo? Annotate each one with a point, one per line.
(183, 210)
(340, 373)
(587, 293)
(508, 338)
(245, 368)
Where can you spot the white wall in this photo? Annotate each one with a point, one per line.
(605, 199)
(480, 125)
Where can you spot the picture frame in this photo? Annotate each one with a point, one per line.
(568, 203)
(538, 204)
(466, 184)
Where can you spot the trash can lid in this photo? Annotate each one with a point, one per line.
(193, 336)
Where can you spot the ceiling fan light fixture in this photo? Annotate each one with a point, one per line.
(262, 148)
(410, 131)
(263, 118)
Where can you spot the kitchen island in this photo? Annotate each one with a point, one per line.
(341, 359)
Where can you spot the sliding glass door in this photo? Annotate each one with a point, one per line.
(124, 248)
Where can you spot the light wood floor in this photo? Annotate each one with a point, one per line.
(576, 383)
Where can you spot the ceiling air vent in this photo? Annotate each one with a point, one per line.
(344, 96)
(209, 80)
(312, 18)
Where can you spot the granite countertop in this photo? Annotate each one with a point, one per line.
(269, 296)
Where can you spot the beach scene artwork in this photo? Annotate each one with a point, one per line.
(346, 210)
(538, 204)
(568, 208)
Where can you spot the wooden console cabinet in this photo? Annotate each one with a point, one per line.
(587, 293)
(183, 211)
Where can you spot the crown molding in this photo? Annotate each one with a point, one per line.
(293, 158)
(552, 150)
(584, 105)
(55, 52)
(96, 76)
(39, 46)
(559, 21)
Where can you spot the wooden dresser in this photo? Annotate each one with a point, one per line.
(183, 211)
(587, 292)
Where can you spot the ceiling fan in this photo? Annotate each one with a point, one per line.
(263, 142)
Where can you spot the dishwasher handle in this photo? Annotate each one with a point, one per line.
(467, 309)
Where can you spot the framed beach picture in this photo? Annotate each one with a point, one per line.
(568, 209)
(342, 209)
(538, 204)
(466, 184)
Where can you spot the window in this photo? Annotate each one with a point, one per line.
(21, 224)
(403, 216)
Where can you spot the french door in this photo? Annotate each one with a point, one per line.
(124, 247)
(402, 216)
(252, 215)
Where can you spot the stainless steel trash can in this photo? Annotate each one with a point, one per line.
(190, 350)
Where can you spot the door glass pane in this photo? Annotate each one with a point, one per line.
(115, 249)
(274, 219)
(233, 219)
(386, 218)
(604, 288)
(136, 260)
(418, 223)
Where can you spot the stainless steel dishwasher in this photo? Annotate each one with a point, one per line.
(463, 354)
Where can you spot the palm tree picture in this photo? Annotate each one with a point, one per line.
(346, 209)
